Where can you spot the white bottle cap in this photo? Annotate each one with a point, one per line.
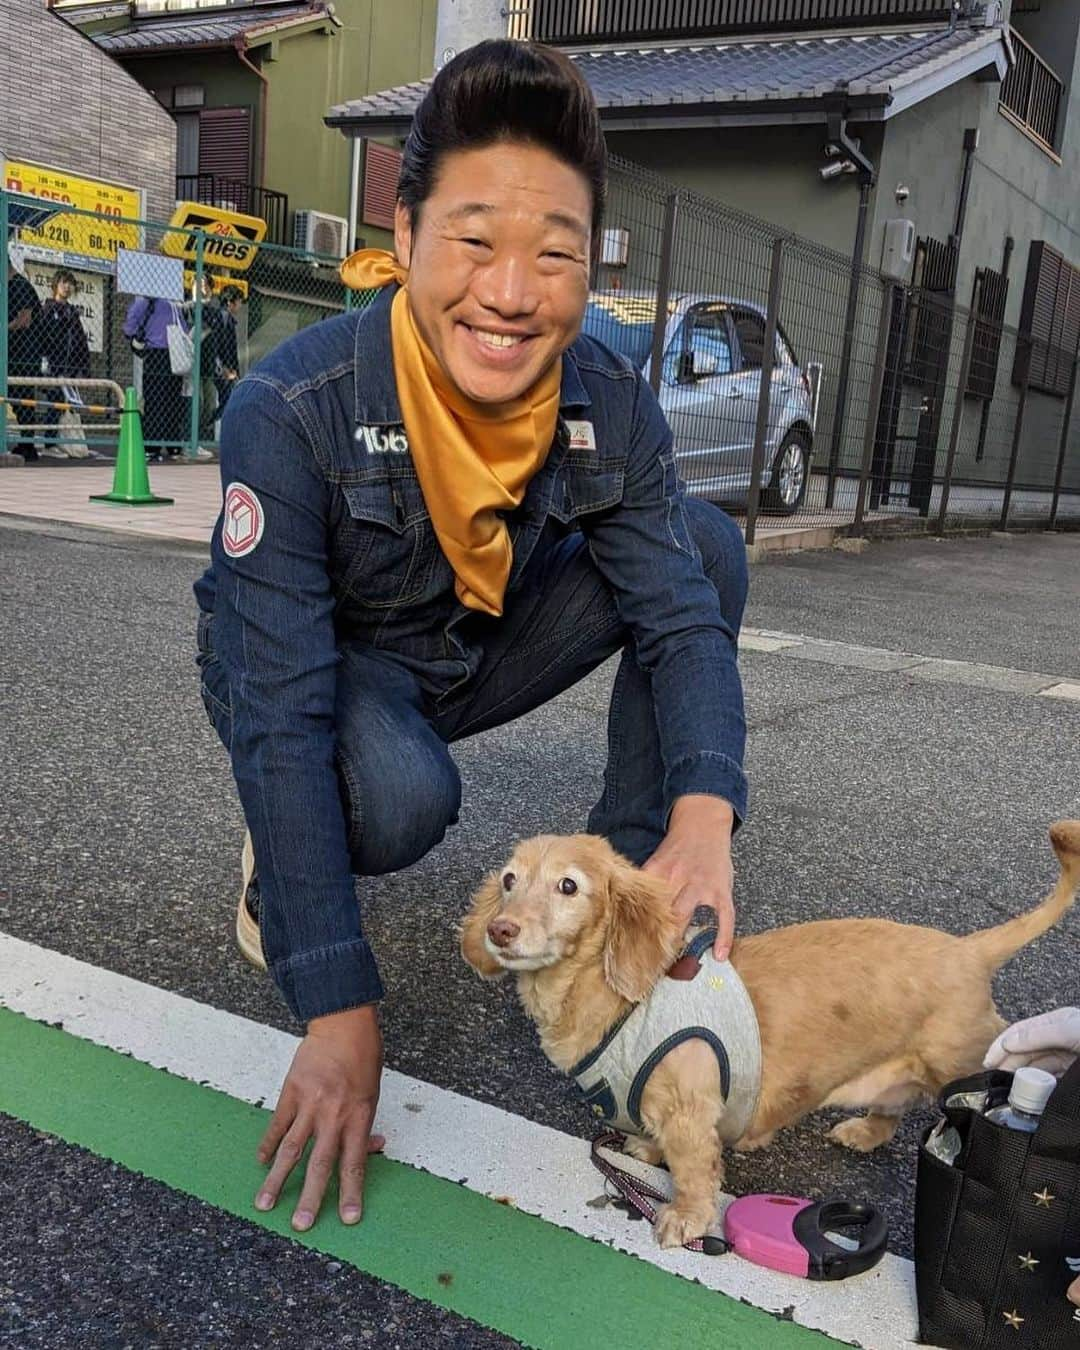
(1031, 1089)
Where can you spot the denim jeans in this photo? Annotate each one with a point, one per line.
(399, 784)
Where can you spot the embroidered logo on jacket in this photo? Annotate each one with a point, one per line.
(242, 522)
(582, 435)
(377, 441)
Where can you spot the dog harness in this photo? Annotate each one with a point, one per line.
(700, 998)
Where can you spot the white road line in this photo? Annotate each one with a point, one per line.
(543, 1171)
(1003, 678)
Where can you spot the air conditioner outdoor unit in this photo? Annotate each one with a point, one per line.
(317, 232)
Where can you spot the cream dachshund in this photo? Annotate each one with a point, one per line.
(855, 1013)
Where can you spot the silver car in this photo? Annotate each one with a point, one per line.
(710, 384)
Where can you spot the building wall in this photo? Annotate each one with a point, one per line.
(770, 172)
(312, 72)
(1017, 191)
(113, 130)
(226, 82)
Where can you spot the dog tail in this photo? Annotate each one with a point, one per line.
(996, 945)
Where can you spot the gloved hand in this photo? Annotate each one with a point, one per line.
(1050, 1041)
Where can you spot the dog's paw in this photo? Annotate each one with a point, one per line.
(750, 1143)
(644, 1150)
(676, 1226)
(863, 1133)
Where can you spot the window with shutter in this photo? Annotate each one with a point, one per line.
(225, 143)
(1050, 314)
(382, 165)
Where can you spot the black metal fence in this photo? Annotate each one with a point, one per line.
(803, 390)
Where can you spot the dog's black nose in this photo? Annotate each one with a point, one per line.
(502, 932)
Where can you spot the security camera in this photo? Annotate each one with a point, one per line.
(903, 192)
(836, 167)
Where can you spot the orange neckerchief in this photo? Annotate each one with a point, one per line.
(472, 459)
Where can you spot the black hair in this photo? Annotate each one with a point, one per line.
(63, 274)
(231, 293)
(502, 90)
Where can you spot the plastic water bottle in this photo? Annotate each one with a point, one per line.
(1030, 1091)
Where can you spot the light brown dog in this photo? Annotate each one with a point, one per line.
(857, 1013)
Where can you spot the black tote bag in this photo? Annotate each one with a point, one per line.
(995, 1232)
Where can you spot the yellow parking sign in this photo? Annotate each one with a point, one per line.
(97, 236)
(232, 239)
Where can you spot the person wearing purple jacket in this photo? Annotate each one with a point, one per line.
(164, 403)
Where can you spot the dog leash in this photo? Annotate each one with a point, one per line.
(639, 1196)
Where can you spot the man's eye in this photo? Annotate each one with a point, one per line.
(568, 886)
(475, 243)
(508, 881)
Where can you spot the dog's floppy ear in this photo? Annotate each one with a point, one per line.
(482, 909)
(643, 933)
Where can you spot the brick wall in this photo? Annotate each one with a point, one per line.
(64, 102)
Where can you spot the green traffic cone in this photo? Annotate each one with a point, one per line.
(131, 482)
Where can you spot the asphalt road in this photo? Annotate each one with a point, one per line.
(872, 793)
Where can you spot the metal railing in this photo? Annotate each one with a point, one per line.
(1031, 94)
(567, 22)
(235, 194)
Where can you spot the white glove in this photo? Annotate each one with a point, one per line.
(1050, 1041)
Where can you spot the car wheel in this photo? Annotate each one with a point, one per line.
(791, 472)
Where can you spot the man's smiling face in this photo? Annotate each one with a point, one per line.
(498, 266)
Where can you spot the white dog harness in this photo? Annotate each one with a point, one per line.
(705, 1001)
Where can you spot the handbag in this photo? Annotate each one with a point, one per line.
(71, 436)
(997, 1233)
(181, 347)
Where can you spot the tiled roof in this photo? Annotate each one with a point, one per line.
(170, 31)
(781, 70)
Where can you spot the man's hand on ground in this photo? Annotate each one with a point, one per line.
(695, 856)
(329, 1095)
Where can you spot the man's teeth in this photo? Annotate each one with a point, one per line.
(498, 339)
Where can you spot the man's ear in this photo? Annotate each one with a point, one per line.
(483, 908)
(403, 234)
(643, 935)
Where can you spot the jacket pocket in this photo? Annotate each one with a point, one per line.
(388, 546)
(584, 490)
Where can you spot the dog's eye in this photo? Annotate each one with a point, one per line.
(568, 886)
(508, 880)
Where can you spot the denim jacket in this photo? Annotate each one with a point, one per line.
(348, 553)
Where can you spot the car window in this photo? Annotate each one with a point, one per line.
(703, 337)
(751, 330)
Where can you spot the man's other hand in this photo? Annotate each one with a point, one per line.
(330, 1094)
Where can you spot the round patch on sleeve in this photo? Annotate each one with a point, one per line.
(243, 521)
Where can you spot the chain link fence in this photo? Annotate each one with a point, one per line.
(94, 305)
(800, 389)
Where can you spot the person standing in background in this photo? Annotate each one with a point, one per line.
(65, 351)
(227, 365)
(24, 350)
(146, 327)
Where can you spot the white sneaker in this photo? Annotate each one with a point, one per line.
(247, 911)
(203, 454)
(53, 452)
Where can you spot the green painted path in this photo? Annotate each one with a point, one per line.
(542, 1285)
